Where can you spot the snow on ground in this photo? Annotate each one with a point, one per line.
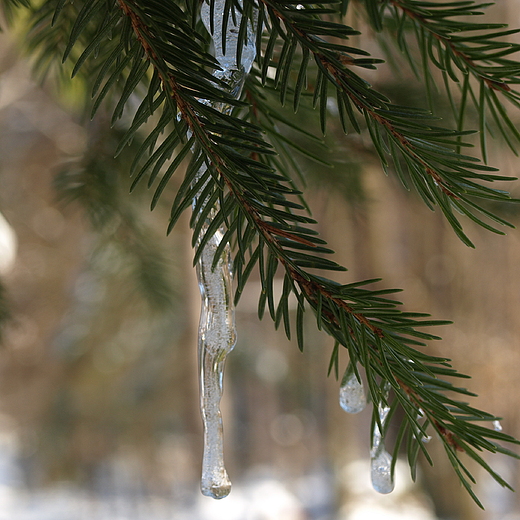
(260, 496)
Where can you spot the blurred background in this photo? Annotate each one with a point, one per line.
(99, 413)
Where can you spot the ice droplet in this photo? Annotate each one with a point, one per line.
(381, 460)
(352, 394)
(217, 335)
(497, 426)
(380, 471)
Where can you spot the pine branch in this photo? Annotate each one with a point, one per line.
(422, 154)
(460, 48)
(376, 333)
(161, 50)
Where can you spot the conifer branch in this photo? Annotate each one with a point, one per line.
(379, 343)
(474, 60)
(161, 53)
(407, 137)
(460, 48)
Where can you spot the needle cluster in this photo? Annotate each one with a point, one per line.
(153, 58)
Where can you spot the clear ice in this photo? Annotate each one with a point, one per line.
(352, 393)
(217, 335)
(381, 460)
(216, 339)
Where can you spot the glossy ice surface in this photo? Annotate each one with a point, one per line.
(352, 395)
(381, 460)
(217, 320)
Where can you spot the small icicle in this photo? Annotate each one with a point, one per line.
(352, 393)
(381, 472)
(217, 335)
(497, 426)
(381, 460)
(425, 438)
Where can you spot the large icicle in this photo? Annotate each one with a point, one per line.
(381, 460)
(352, 393)
(217, 321)
(216, 340)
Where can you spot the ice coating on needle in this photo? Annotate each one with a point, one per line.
(233, 73)
(217, 335)
(352, 394)
(381, 460)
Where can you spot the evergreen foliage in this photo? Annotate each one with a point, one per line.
(152, 58)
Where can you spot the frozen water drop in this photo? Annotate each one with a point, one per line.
(426, 439)
(497, 426)
(381, 460)
(381, 472)
(352, 395)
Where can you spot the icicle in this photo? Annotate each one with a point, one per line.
(217, 321)
(381, 460)
(497, 426)
(216, 340)
(351, 393)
